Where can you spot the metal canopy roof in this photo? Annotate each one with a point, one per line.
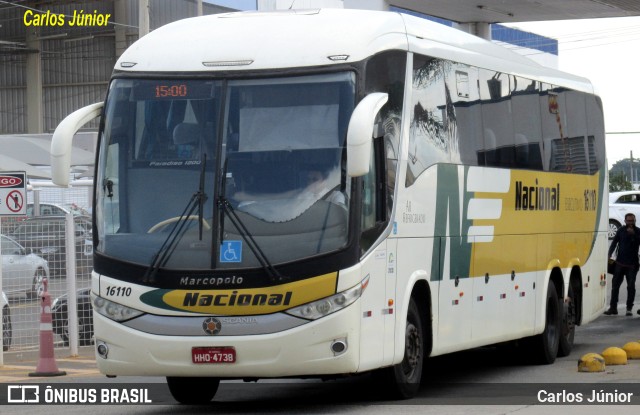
(502, 11)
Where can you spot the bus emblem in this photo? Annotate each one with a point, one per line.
(211, 326)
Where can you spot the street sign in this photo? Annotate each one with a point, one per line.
(13, 193)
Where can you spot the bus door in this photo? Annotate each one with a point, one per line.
(390, 311)
(373, 304)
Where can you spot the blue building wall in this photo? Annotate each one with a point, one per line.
(524, 39)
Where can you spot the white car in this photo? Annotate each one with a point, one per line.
(6, 322)
(621, 203)
(53, 209)
(22, 270)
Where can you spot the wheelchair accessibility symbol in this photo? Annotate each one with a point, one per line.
(231, 251)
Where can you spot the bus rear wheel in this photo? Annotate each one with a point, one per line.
(402, 381)
(569, 316)
(193, 391)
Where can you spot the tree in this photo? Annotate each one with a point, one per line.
(619, 175)
(618, 182)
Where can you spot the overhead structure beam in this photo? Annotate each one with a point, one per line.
(120, 15)
(143, 18)
(34, 83)
(501, 11)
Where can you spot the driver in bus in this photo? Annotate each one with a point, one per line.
(319, 184)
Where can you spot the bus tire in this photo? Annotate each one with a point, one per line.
(545, 345)
(402, 381)
(569, 315)
(193, 391)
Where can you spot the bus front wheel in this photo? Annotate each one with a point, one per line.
(193, 391)
(402, 381)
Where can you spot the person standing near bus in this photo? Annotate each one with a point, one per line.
(627, 240)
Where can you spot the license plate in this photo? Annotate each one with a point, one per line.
(212, 355)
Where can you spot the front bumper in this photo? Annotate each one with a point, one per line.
(300, 351)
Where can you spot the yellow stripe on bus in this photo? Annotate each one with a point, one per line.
(253, 301)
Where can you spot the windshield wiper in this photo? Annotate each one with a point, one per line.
(225, 207)
(202, 197)
(179, 228)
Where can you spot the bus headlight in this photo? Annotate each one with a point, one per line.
(329, 305)
(114, 311)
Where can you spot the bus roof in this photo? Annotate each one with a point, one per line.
(304, 38)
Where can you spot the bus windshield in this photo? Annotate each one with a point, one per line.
(271, 151)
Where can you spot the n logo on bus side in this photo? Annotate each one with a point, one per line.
(450, 221)
(454, 217)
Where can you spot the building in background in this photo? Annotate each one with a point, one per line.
(48, 72)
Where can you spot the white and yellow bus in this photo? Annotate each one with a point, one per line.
(330, 192)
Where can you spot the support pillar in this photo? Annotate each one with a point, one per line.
(34, 83)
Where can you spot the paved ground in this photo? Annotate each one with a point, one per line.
(18, 365)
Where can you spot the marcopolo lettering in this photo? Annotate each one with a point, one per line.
(537, 197)
(216, 281)
(194, 299)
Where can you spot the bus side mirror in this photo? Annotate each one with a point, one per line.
(61, 141)
(360, 133)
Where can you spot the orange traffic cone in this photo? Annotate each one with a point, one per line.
(46, 362)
